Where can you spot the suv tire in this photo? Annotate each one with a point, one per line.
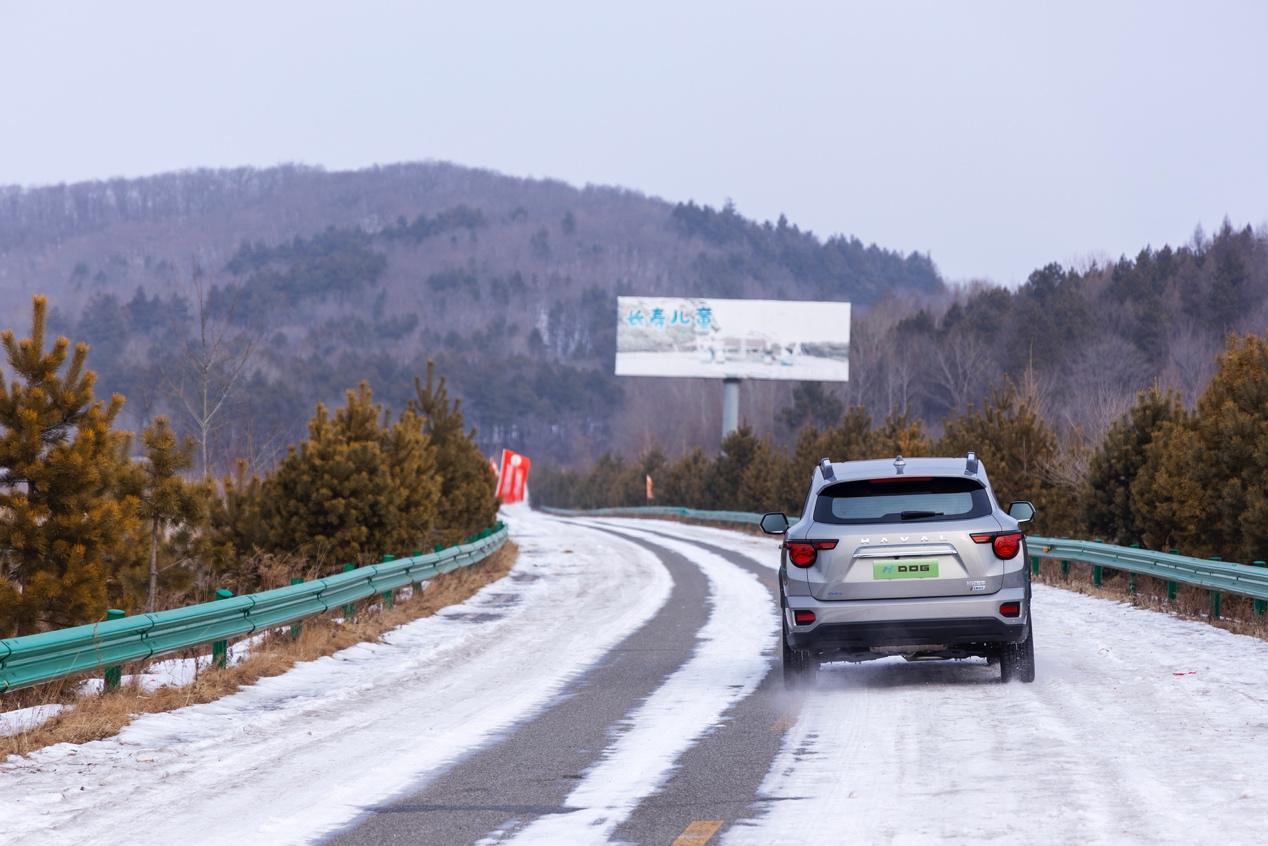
(798, 666)
(1017, 660)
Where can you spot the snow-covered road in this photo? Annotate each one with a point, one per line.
(616, 688)
(294, 756)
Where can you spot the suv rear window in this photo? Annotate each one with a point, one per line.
(897, 500)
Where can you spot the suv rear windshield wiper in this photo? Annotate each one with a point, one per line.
(916, 515)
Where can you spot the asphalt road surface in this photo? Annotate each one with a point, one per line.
(529, 774)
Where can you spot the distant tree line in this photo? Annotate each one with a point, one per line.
(88, 519)
(273, 289)
(1163, 476)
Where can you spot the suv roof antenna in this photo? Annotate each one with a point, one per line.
(825, 467)
(899, 464)
(970, 464)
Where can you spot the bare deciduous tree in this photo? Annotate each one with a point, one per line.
(1102, 385)
(960, 365)
(208, 370)
(1190, 362)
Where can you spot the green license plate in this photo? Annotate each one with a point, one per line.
(906, 569)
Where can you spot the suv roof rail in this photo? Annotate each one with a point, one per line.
(970, 464)
(825, 467)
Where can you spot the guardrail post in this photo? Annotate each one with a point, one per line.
(1034, 564)
(350, 610)
(1260, 605)
(389, 597)
(1217, 601)
(220, 648)
(297, 627)
(1096, 574)
(1173, 589)
(113, 676)
(1131, 577)
(1065, 569)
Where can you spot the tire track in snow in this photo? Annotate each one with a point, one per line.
(727, 666)
(531, 770)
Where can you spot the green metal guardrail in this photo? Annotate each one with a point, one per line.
(46, 656)
(1218, 577)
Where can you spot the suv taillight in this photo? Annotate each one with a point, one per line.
(1004, 544)
(804, 552)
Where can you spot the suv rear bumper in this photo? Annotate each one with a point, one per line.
(859, 625)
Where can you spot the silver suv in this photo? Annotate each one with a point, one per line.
(913, 558)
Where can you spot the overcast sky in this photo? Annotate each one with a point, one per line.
(996, 136)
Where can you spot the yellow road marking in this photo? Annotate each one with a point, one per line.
(698, 833)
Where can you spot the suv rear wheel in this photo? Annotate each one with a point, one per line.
(798, 666)
(1017, 660)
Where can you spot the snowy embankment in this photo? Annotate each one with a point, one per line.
(296, 755)
(171, 672)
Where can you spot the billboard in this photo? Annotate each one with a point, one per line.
(513, 476)
(733, 339)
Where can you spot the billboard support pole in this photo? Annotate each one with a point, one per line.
(730, 406)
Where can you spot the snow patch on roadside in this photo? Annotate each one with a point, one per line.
(297, 755)
(1108, 745)
(729, 661)
(25, 719)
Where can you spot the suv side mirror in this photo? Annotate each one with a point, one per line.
(1021, 511)
(775, 523)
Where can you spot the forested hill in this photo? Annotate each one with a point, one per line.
(330, 278)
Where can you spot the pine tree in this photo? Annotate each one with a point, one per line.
(1114, 466)
(1169, 500)
(899, 435)
(239, 529)
(417, 489)
(1204, 486)
(812, 404)
(772, 481)
(355, 488)
(849, 440)
(329, 496)
(1016, 446)
(468, 492)
(688, 482)
(740, 450)
(62, 511)
(166, 499)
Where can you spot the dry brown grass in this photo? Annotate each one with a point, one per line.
(1192, 603)
(99, 716)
